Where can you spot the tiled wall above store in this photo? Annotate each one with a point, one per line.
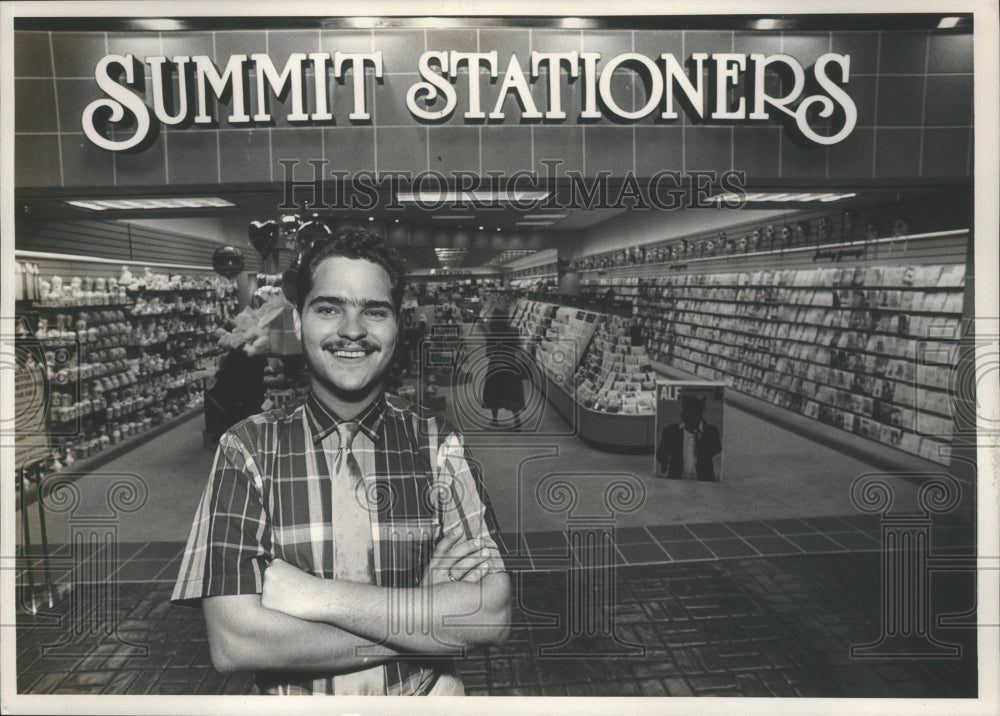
(913, 91)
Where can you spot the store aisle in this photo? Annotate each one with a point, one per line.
(769, 472)
(171, 468)
(784, 476)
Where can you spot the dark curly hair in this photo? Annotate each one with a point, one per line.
(352, 242)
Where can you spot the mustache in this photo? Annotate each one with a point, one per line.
(364, 344)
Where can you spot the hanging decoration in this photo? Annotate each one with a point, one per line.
(228, 261)
(263, 236)
(288, 229)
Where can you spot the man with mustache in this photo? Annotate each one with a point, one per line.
(345, 545)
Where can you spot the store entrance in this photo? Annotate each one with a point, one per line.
(831, 349)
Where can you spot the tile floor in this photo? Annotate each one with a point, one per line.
(751, 608)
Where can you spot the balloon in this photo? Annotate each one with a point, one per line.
(227, 261)
(264, 236)
(310, 232)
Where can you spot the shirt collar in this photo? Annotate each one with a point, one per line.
(323, 421)
(701, 425)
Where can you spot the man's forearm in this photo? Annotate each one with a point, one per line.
(441, 618)
(244, 636)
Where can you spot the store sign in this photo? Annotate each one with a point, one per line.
(722, 87)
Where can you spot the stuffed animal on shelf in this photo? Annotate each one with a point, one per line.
(56, 294)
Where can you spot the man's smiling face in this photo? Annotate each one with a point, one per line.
(349, 331)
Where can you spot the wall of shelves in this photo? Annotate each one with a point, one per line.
(119, 362)
(868, 349)
(851, 318)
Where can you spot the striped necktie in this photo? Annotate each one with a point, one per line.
(345, 462)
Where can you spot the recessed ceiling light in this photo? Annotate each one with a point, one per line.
(397, 221)
(203, 202)
(545, 216)
(451, 217)
(534, 223)
(371, 218)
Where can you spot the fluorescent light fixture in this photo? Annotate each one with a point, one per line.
(534, 223)
(770, 23)
(205, 202)
(362, 22)
(157, 24)
(800, 197)
(482, 197)
(948, 22)
(545, 216)
(576, 23)
(452, 217)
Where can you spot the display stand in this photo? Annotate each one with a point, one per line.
(598, 427)
(564, 337)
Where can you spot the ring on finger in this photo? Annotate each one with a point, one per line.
(451, 577)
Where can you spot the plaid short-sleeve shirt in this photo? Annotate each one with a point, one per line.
(270, 495)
